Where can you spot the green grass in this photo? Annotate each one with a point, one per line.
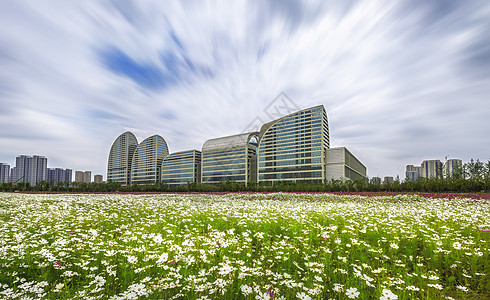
(283, 246)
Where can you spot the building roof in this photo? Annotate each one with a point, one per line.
(232, 141)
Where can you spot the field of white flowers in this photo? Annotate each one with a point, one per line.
(243, 246)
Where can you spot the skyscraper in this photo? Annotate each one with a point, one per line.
(413, 172)
(83, 176)
(179, 168)
(98, 178)
(31, 169)
(293, 147)
(4, 172)
(120, 158)
(431, 168)
(230, 158)
(58, 175)
(146, 166)
(452, 167)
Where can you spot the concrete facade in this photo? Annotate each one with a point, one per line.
(342, 164)
(83, 176)
(431, 168)
(4, 172)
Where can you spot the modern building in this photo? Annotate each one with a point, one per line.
(180, 168)
(413, 172)
(146, 166)
(388, 180)
(431, 168)
(293, 148)
(4, 172)
(38, 166)
(231, 158)
(59, 175)
(31, 169)
(375, 180)
(120, 158)
(13, 174)
(83, 176)
(342, 164)
(20, 172)
(452, 167)
(98, 178)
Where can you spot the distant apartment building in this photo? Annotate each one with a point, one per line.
(30, 169)
(13, 174)
(4, 172)
(342, 164)
(83, 176)
(146, 166)
(413, 172)
(121, 157)
(182, 167)
(431, 168)
(98, 178)
(388, 180)
(452, 167)
(231, 158)
(59, 175)
(375, 180)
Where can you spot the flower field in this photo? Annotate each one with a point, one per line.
(243, 246)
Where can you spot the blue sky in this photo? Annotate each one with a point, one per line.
(402, 81)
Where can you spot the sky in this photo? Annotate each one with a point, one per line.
(401, 81)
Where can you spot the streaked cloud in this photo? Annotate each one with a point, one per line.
(402, 81)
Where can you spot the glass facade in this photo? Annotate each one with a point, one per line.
(293, 147)
(181, 168)
(146, 167)
(120, 158)
(231, 158)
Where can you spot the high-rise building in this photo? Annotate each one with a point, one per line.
(293, 148)
(452, 167)
(342, 164)
(120, 158)
(58, 175)
(146, 166)
(231, 158)
(68, 175)
(20, 169)
(13, 174)
(98, 178)
(388, 180)
(375, 180)
(413, 172)
(38, 166)
(180, 168)
(31, 169)
(431, 168)
(4, 172)
(83, 176)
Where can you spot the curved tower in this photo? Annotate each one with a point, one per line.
(120, 157)
(293, 148)
(146, 166)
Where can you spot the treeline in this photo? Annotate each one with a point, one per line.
(431, 185)
(473, 176)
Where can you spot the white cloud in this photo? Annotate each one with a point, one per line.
(401, 81)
